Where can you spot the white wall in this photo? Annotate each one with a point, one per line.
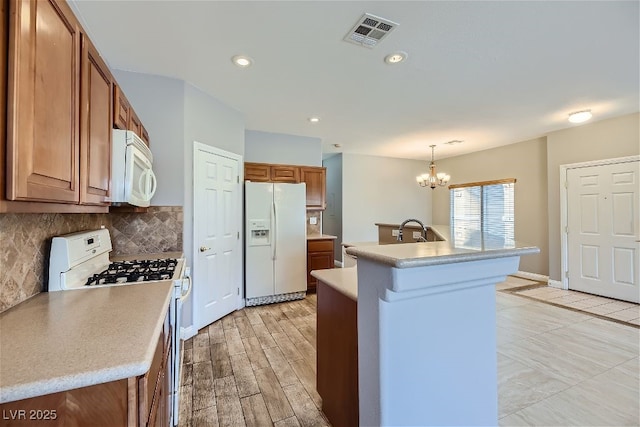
(210, 122)
(266, 147)
(332, 216)
(381, 189)
(606, 139)
(175, 114)
(159, 102)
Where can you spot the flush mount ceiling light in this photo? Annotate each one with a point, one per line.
(433, 179)
(396, 57)
(242, 61)
(314, 119)
(580, 116)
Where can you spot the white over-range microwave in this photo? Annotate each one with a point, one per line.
(132, 179)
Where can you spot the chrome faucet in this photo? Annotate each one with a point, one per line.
(423, 238)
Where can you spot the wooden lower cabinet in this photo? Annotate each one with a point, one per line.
(337, 356)
(130, 402)
(320, 256)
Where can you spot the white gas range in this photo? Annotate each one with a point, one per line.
(81, 261)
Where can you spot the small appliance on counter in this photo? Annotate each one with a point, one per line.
(132, 179)
(81, 261)
(276, 239)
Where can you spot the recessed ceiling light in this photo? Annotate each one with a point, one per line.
(580, 116)
(396, 57)
(242, 61)
(314, 119)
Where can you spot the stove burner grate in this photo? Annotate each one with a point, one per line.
(135, 271)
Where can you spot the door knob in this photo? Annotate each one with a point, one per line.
(204, 248)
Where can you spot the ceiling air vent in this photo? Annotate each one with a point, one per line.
(369, 30)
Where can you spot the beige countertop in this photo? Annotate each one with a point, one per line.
(321, 237)
(344, 280)
(59, 341)
(460, 249)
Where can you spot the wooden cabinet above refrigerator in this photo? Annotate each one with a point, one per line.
(313, 176)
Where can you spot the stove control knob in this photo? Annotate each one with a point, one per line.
(204, 248)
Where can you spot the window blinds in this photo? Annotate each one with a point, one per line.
(483, 214)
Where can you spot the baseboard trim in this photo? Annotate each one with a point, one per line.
(188, 332)
(532, 276)
(556, 284)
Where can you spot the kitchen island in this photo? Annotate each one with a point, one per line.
(426, 329)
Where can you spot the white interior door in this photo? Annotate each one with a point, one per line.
(217, 255)
(603, 230)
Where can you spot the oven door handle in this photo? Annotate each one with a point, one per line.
(184, 294)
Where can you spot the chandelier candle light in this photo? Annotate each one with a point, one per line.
(432, 178)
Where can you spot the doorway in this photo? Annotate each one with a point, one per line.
(601, 248)
(217, 249)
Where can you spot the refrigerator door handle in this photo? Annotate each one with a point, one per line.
(274, 239)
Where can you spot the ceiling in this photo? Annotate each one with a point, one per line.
(490, 73)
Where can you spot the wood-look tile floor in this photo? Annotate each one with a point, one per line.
(254, 367)
(556, 367)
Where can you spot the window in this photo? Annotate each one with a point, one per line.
(482, 213)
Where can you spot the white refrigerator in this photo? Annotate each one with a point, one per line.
(275, 242)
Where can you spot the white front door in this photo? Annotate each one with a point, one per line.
(603, 227)
(217, 252)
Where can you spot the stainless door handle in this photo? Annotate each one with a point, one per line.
(204, 248)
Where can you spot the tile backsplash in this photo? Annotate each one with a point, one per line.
(25, 241)
(314, 228)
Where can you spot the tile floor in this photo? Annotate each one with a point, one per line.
(605, 307)
(556, 366)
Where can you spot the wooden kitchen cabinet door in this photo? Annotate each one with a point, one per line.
(257, 172)
(96, 127)
(144, 135)
(320, 256)
(134, 123)
(121, 109)
(42, 128)
(284, 173)
(315, 179)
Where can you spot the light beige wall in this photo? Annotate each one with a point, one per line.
(606, 139)
(380, 189)
(524, 161)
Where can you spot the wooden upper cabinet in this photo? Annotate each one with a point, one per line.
(134, 123)
(96, 125)
(266, 172)
(315, 178)
(285, 173)
(144, 135)
(257, 172)
(44, 90)
(121, 109)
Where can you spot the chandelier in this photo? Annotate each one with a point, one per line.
(432, 178)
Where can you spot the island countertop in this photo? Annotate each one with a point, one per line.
(58, 341)
(411, 255)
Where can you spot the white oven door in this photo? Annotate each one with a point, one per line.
(140, 181)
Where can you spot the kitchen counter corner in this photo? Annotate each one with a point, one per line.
(58, 341)
(321, 237)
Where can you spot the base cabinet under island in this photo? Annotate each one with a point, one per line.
(337, 356)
